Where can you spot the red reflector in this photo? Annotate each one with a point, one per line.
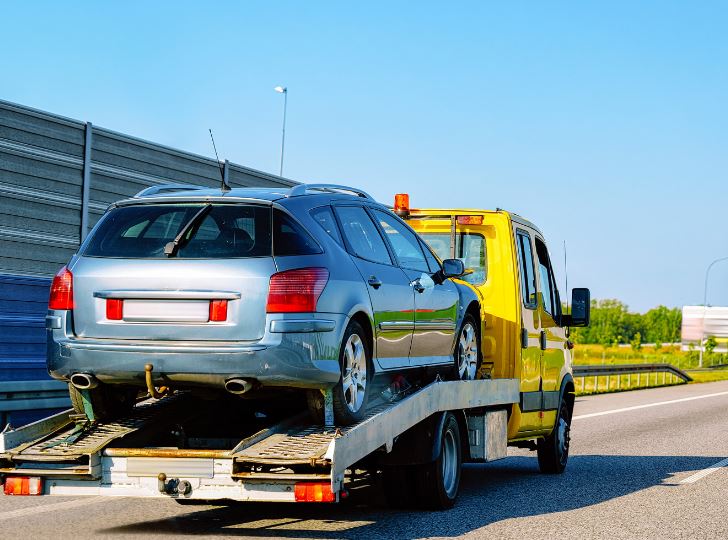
(114, 309)
(296, 291)
(61, 296)
(23, 485)
(401, 205)
(314, 492)
(218, 310)
(470, 220)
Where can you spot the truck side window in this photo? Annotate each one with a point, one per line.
(432, 261)
(528, 277)
(546, 275)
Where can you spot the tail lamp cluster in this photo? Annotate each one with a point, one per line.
(314, 492)
(23, 485)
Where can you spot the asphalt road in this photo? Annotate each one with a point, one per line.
(634, 472)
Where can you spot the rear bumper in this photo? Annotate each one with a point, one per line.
(299, 352)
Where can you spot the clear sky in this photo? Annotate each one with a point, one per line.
(605, 123)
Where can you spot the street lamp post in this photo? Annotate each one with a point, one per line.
(705, 307)
(283, 90)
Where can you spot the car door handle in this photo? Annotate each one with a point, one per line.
(416, 285)
(374, 282)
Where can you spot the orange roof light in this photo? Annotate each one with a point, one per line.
(470, 220)
(401, 205)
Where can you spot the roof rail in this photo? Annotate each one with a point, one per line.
(302, 189)
(162, 188)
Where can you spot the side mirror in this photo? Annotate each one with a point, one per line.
(452, 268)
(580, 308)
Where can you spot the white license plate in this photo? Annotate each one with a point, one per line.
(166, 310)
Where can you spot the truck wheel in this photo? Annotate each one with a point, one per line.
(106, 402)
(553, 451)
(467, 350)
(438, 482)
(351, 393)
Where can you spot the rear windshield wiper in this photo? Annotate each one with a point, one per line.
(171, 249)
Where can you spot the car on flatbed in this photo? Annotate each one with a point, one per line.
(318, 287)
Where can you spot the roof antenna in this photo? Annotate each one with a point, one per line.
(223, 186)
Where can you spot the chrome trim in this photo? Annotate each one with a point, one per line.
(389, 326)
(141, 294)
(435, 325)
(158, 346)
(302, 326)
(302, 189)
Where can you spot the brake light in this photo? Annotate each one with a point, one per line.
(314, 492)
(470, 220)
(401, 205)
(23, 485)
(114, 309)
(218, 310)
(61, 296)
(296, 291)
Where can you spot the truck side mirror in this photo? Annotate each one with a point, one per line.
(452, 268)
(580, 308)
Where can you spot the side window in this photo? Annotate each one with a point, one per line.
(528, 277)
(289, 238)
(546, 276)
(362, 235)
(432, 261)
(404, 242)
(325, 217)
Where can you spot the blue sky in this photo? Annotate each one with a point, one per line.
(606, 124)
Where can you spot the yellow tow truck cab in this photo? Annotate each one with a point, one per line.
(524, 333)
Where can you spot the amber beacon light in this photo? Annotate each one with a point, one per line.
(401, 205)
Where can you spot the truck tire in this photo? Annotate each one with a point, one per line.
(107, 402)
(351, 393)
(467, 350)
(438, 482)
(553, 451)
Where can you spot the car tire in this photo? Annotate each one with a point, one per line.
(553, 451)
(438, 482)
(351, 393)
(467, 350)
(107, 402)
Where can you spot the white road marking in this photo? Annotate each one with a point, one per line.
(657, 404)
(34, 510)
(705, 472)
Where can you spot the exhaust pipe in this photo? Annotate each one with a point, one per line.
(238, 386)
(84, 381)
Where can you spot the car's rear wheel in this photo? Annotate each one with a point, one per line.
(467, 350)
(351, 393)
(105, 402)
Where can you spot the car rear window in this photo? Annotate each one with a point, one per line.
(289, 238)
(142, 231)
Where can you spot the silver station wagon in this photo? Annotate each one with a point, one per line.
(317, 287)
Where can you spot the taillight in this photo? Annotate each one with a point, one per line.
(61, 290)
(114, 309)
(296, 291)
(218, 310)
(314, 492)
(23, 485)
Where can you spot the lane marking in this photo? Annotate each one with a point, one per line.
(657, 404)
(33, 510)
(705, 472)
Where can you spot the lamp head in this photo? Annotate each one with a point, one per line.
(281, 89)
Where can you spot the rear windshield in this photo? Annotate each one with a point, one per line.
(142, 231)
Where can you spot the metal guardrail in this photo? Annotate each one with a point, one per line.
(31, 396)
(619, 370)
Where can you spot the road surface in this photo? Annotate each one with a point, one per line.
(644, 464)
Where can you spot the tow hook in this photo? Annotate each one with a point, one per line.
(173, 486)
(156, 393)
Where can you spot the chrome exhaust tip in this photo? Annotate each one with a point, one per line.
(238, 386)
(84, 381)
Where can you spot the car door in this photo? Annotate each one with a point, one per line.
(435, 304)
(530, 334)
(553, 337)
(391, 294)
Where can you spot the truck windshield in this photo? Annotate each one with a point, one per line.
(469, 248)
(142, 231)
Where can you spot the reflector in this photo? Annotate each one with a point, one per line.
(470, 220)
(114, 309)
(314, 492)
(218, 310)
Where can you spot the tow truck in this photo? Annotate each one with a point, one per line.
(417, 438)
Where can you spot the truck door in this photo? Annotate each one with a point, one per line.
(435, 304)
(389, 287)
(553, 339)
(530, 335)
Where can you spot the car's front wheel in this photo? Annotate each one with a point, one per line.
(351, 393)
(467, 350)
